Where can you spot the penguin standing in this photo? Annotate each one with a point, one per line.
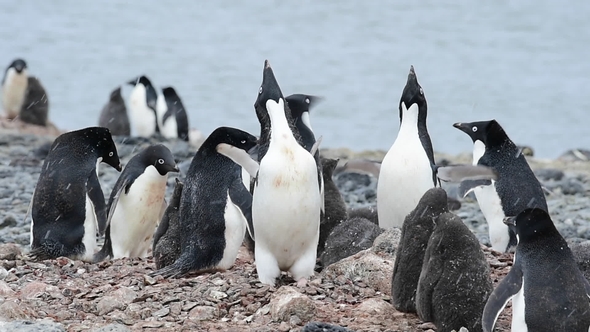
(68, 203)
(407, 170)
(137, 203)
(335, 209)
(14, 88)
(416, 231)
(35, 109)
(173, 120)
(516, 188)
(166, 247)
(215, 208)
(548, 291)
(455, 279)
(286, 196)
(114, 115)
(143, 101)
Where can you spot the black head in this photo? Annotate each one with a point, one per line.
(299, 103)
(169, 92)
(413, 94)
(490, 133)
(269, 89)
(531, 224)
(328, 166)
(140, 80)
(116, 94)
(231, 136)
(101, 140)
(19, 65)
(160, 157)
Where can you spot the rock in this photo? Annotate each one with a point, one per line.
(33, 290)
(546, 174)
(572, 186)
(10, 310)
(203, 313)
(287, 302)
(32, 326)
(372, 269)
(323, 327)
(348, 238)
(387, 242)
(118, 299)
(10, 251)
(112, 328)
(9, 221)
(375, 308)
(575, 155)
(5, 290)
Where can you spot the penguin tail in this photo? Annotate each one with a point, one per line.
(170, 271)
(39, 254)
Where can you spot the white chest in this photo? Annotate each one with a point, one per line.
(518, 311)
(235, 229)
(168, 128)
(141, 116)
(13, 92)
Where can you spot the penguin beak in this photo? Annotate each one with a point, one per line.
(176, 169)
(119, 167)
(133, 82)
(464, 128)
(510, 221)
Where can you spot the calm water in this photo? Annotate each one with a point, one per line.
(524, 63)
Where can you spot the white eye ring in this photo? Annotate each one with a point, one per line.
(111, 154)
(243, 141)
(307, 100)
(260, 91)
(474, 129)
(161, 161)
(421, 91)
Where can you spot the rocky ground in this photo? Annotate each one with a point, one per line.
(119, 296)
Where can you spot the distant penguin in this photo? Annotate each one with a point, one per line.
(215, 208)
(14, 88)
(286, 196)
(137, 203)
(166, 247)
(173, 120)
(143, 101)
(35, 109)
(114, 115)
(416, 231)
(300, 104)
(407, 171)
(516, 188)
(68, 203)
(335, 210)
(548, 291)
(455, 279)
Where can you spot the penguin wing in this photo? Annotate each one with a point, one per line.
(586, 286)
(505, 291)
(241, 197)
(97, 197)
(459, 173)
(123, 184)
(467, 186)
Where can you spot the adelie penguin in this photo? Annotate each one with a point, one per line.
(548, 291)
(143, 101)
(286, 196)
(215, 208)
(516, 187)
(14, 88)
(114, 115)
(455, 282)
(407, 170)
(172, 117)
(136, 203)
(68, 203)
(35, 109)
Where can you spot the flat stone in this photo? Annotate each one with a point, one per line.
(287, 302)
(203, 313)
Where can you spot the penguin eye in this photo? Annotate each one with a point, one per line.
(161, 161)
(243, 141)
(111, 154)
(421, 92)
(474, 129)
(307, 100)
(260, 91)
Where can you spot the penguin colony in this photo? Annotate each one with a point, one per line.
(271, 188)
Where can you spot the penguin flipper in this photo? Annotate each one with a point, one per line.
(121, 186)
(505, 291)
(241, 198)
(460, 173)
(107, 248)
(467, 186)
(316, 146)
(97, 197)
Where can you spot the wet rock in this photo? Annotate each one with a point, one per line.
(32, 326)
(323, 327)
(287, 302)
(348, 238)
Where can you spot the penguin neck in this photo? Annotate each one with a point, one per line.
(280, 130)
(409, 121)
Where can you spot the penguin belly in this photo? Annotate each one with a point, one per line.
(90, 228)
(137, 215)
(142, 117)
(168, 129)
(518, 311)
(491, 207)
(406, 174)
(235, 229)
(13, 92)
(286, 213)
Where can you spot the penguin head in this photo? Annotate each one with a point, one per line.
(19, 65)
(300, 103)
(159, 156)
(115, 94)
(490, 133)
(169, 93)
(230, 136)
(413, 100)
(269, 90)
(531, 224)
(328, 166)
(101, 138)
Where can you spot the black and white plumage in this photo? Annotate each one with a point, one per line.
(547, 289)
(407, 170)
(35, 109)
(286, 196)
(68, 204)
(166, 246)
(215, 208)
(114, 115)
(172, 117)
(137, 203)
(142, 107)
(516, 187)
(14, 88)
